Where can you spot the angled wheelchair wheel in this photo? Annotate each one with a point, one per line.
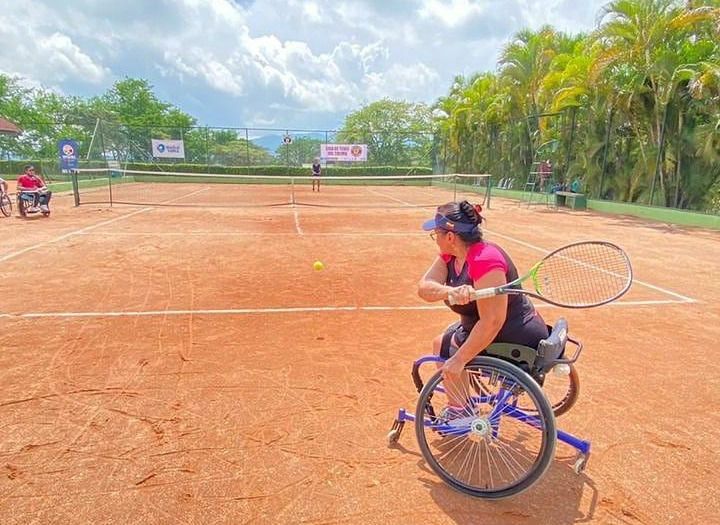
(5, 204)
(561, 390)
(23, 205)
(473, 435)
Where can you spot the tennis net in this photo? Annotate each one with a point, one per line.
(135, 187)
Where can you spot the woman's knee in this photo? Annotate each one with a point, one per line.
(436, 344)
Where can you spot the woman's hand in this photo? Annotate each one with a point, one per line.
(460, 294)
(452, 368)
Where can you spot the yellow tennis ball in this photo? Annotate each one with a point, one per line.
(318, 265)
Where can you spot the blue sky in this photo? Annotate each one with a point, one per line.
(270, 63)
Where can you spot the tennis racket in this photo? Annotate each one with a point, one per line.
(579, 275)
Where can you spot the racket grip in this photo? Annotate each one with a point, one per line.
(478, 294)
(484, 293)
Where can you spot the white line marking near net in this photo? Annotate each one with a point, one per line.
(186, 196)
(297, 220)
(375, 192)
(255, 234)
(291, 310)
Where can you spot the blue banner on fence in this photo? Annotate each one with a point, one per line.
(68, 151)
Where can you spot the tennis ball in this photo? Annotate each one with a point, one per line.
(318, 265)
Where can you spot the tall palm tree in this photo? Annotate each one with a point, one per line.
(646, 35)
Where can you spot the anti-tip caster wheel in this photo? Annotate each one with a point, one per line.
(394, 434)
(581, 462)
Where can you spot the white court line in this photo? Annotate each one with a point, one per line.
(186, 196)
(387, 196)
(82, 231)
(300, 309)
(256, 234)
(297, 216)
(395, 199)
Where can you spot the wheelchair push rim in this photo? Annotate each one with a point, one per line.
(488, 448)
(561, 389)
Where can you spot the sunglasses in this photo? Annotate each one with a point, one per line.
(434, 234)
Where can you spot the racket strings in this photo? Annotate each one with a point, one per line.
(584, 274)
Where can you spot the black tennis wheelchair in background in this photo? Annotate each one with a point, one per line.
(502, 439)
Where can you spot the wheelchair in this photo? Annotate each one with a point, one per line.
(26, 201)
(502, 439)
(5, 204)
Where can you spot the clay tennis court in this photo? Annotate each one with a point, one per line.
(186, 364)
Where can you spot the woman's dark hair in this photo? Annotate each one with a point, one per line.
(466, 213)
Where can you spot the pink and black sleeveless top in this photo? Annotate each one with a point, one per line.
(522, 323)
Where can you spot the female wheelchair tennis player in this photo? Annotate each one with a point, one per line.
(482, 421)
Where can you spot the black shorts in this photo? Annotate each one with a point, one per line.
(453, 338)
(527, 333)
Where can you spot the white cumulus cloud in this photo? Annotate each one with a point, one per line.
(300, 63)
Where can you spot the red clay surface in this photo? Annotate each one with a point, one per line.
(188, 365)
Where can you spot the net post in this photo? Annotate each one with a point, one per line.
(75, 187)
(247, 149)
(488, 191)
(109, 174)
(104, 157)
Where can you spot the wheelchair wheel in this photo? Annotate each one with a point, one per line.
(489, 448)
(561, 391)
(5, 204)
(23, 205)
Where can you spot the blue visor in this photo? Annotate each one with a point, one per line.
(443, 223)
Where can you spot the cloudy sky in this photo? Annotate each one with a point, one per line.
(300, 64)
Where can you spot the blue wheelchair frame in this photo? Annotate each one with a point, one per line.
(503, 402)
(582, 446)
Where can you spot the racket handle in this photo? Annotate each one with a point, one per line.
(479, 294)
(484, 293)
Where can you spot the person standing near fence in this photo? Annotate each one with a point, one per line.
(316, 171)
(545, 173)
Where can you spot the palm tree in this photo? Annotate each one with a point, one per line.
(646, 36)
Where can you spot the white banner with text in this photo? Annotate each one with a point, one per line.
(168, 149)
(343, 152)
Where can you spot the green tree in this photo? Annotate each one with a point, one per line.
(396, 132)
(632, 108)
(132, 115)
(303, 150)
(651, 37)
